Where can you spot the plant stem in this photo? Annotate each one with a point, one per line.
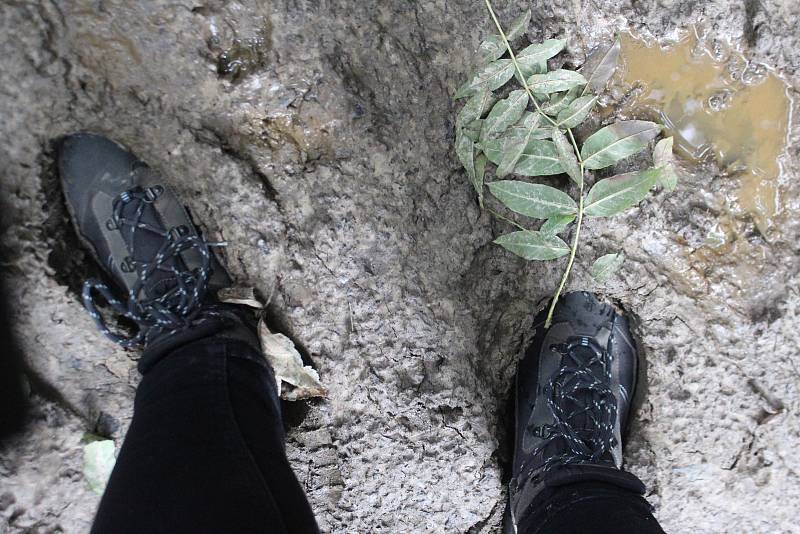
(506, 219)
(516, 65)
(571, 258)
(577, 151)
(579, 220)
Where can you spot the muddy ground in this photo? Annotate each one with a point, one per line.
(325, 160)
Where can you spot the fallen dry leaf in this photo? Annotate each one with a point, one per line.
(98, 461)
(240, 295)
(288, 366)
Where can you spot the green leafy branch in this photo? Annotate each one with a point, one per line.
(541, 142)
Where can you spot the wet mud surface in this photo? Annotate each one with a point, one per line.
(316, 139)
(719, 106)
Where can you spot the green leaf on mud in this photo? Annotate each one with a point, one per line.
(600, 66)
(491, 77)
(555, 81)
(475, 107)
(566, 155)
(533, 200)
(576, 111)
(664, 160)
(536, 68)
(559, 101)
(532, 58)
(513, 149)
(533, 245)
(616, 194)
(556, 224)
(473, 130)
(523, 126)
(505, 113)
(539, 158)
(617, 141)
(519, 26)
(604, 266)
(480, 172)
(465, 150)
(662, 153)
(491, 49)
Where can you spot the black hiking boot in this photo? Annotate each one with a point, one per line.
(164, 273)
(574, 389)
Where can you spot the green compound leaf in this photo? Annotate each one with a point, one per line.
(533, 200)
(533, 59)
(475, 108)
(504, 114)
(617, 141)
(519, 26)
(491, 77)
(576, 111)
(555, 81)
(491, 49)
(566, 155)
(664, 160)
(533, 245)
(556, 224)
(618, 193)
(604, 266)
(513, 149)
(539, 158)
(600, 66)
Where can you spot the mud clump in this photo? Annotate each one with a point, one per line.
(243, 57)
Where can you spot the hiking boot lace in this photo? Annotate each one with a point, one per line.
(177, 308)
(583, 406)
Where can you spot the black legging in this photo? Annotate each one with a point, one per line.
(205, 453)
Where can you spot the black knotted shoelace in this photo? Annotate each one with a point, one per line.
(583, 406)
(178, 307)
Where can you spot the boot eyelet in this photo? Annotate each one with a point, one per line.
(127, 265)
(152, 193)
(543, 431)
(177, 232)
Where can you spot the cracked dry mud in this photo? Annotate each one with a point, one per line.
(316, 139)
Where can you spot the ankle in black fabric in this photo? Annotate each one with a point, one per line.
(587, 506)
(229, 322)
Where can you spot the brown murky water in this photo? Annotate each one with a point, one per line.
(717, 105)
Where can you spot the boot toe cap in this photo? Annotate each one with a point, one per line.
(89, 162)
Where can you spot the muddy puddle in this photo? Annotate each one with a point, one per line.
(730, 113)
(719, 107)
